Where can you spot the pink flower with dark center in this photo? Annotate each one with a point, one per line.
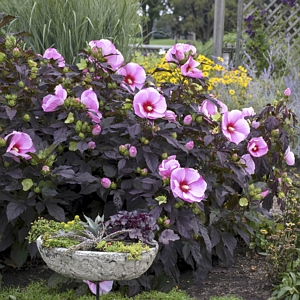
(235, 127)
(190, 68)
(257, 147)
(51, 53)
(20, 144)
(104, 287)
(170, 116)
(105, 182)
(52, 102)
(90, 100)
(149, 103)
(289, 157)
(180, 52)
(134, 76)
(248, 112)
(189, 145)
(168, 166)
(287, 92)
(188, 184)
(247, 160)
(208, 108)
(96, 129)
(113, 57)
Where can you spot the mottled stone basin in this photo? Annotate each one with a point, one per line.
(96, 266)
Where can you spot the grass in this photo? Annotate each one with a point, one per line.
(39, 290)
(68, 25)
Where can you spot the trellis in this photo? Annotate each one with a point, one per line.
(278, 33)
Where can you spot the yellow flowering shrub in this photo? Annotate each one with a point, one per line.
(220, 80)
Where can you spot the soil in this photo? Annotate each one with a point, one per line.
(246, 279)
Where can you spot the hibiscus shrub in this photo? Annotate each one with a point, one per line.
(100, 137)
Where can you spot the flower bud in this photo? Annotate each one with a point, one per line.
(132, 151)
(2, 57)
(174, 135)
(113, 186)
(199, 119)
(189, 145)
(45, 170)
(106, 182)
(287, 92)
(96, 129)
(144, 172)
(187, 120)
(21, 84)
(91, 145)
(164, 155)
(11, 103)
(2, 142)
(6, 164)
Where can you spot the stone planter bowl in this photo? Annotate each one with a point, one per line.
(96, 266)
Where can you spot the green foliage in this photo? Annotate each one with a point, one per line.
(289, 288)
(134, 250)
(67, 26)
(39, 290)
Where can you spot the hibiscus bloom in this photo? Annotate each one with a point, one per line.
(190, 68)
(208, 108)
(52, 102)
(180, 52)
(289, 157)
(187, 184)
(113, 57)
(134, 76)
(149, 103)
(257, 147)
(20, 144)
(248, 112)
(104, 287)
(90, 100)
(51, 53)
(170, 116)
(234, 126)
(168, 166)
(248, 161)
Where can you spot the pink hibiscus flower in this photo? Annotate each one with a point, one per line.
(149, 103)
(51, 53)
(247, 160)
(208, 108)
(248, 112)
(20, 144)
(170, 116)
(90, 100)
(235, 127)
(114, 58)
(134, 76)
(187, 184)
(289, 157)
(52, 102)
(168, 166)
(257, 147)
(190, 68)
(180, 52)
(104, 287)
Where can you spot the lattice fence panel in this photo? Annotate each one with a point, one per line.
(282, 24)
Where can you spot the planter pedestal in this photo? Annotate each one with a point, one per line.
(96, 266)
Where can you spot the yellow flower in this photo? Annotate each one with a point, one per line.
(263, 231)
(231, 92)
(221, 59)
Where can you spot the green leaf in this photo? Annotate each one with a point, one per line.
(56, 279)
(283, 291)
(18, 254)
(82, 64)
(7, 19)
(27, 184)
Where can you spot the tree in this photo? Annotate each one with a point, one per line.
(198, 16)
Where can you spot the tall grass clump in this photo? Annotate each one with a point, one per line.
(67, 25)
